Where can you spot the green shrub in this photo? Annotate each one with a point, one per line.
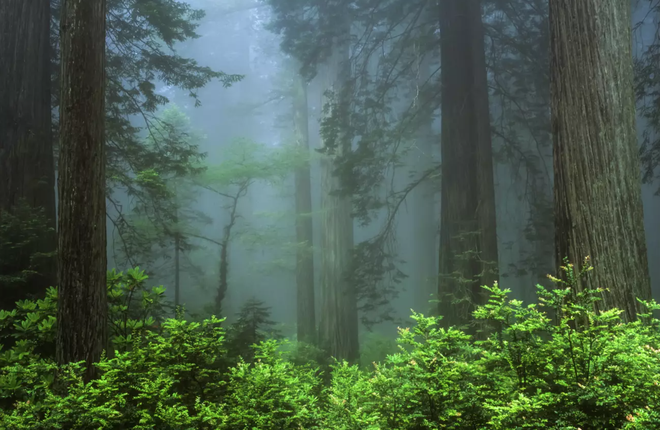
(561, 364)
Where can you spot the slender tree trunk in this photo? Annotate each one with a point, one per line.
(27, 170)
(598, 203)
(306, 314)
(177, 262)
(468, 239)
(339, 320)
(82, 302)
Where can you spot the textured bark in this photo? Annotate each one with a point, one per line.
(598, 204)
(306, 314)
(27, 170)
(468, 239)
(82, 304)
(339, 319)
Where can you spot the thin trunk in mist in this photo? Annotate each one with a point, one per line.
(306, 314)
(339, 319)
(27, 169)
(598, 203)
(82, 301)
(177, 264)
(423, 208)
(223, 269)
(468, 239)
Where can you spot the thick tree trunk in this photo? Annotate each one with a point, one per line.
(27, 170)
(598, 204)
(306, 314)
(339, 319)
(468, 239)
(82, 303)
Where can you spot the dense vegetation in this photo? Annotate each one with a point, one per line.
(364, 157)
(559, 365)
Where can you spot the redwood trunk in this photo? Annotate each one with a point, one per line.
(27, 170)
(598, 203)
(339, 320)
(306, 314)
(468, 239)
(82, 303)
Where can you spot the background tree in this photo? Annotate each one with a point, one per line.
(174, 195)
(141, 54)
(598, 205)
(468, 239)
(306, 312)
(245, 163)
(82, 301)
(338, 331)
(27, 169)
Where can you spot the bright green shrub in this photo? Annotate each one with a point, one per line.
(272, 394)
(561, 364)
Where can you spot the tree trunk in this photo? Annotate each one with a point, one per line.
(598, 204)
(82, 303)
(468, 239)
(306, 315)
(339, 320)
(27, 170)
(177, 261)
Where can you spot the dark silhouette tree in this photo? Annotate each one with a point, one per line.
(468, 239)
(27, 169)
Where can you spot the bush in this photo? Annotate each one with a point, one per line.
(557, 365)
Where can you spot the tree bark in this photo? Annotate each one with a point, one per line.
(82, 302)
(468, 238)
(27, 169)
(177, 260)
(306, 314)
(339, 319)
(598, 204)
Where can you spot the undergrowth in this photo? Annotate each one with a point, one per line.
(560, 364)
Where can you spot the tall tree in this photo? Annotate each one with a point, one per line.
(27, 170)
(306, 314)
(468, 239)
(598, 203)
(82, 301)
(339, 314)
(143, 34)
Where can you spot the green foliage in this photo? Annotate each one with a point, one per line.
(166, 220)
(253, 326)
(375, 348)
(557, 365)
(21, 231)
(272, 394)
(28, 331)
(141, 53)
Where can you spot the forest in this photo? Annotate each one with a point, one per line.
(329, 214)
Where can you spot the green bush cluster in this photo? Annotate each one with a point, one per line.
(561, 364)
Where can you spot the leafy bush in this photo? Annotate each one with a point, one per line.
(561, 364)
(22, 232)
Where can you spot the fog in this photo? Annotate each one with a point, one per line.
(234, 39)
